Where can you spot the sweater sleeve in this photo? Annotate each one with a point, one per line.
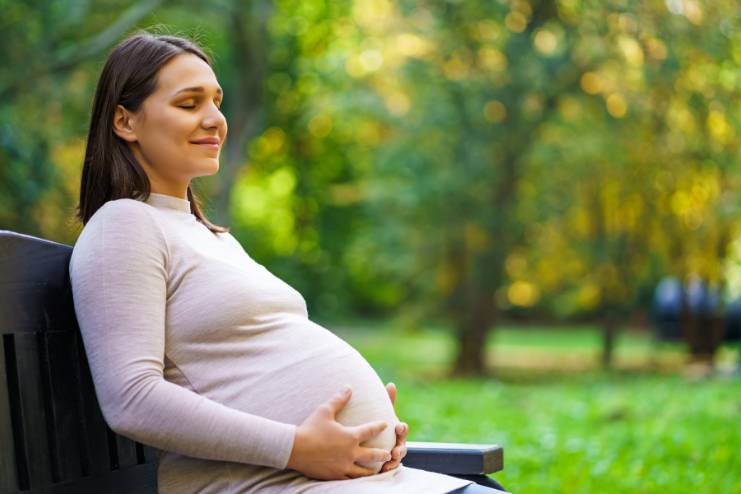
(118, 272)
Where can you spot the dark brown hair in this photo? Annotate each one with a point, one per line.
(111, 171)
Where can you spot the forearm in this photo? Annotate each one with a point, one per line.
(169, 417)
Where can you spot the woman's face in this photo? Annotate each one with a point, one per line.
(178, 131)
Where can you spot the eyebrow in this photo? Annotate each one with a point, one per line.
(198, 89)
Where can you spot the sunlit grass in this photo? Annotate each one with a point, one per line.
(642, 429)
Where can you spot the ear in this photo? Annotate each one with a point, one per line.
(123, 124)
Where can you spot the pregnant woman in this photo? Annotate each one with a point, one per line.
(195, 348)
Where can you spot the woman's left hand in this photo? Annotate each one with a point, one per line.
(402, 429)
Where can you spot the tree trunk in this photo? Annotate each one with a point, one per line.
(609, 333)
(248, 36)
(703, 334)
(472, 333)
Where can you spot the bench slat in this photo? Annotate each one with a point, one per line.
(150, 454)
(126, 452)
(8, 476)
(66, 435)
(455, 458)
(32, 408)
(139, 479)
(95, 430)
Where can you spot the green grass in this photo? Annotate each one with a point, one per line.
(644, 428)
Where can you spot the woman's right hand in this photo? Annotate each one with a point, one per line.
(324, 449)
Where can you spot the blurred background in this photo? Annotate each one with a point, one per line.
(525, 213)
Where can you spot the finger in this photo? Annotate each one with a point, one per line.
(356, 471)
(402, 430)
(402, 453)
(372, 455)
(391, 388)
(390, 465)
(339, 400)
(396, 452)
(399, 441)
(367, 431)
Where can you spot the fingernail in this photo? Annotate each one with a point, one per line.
(345, 390)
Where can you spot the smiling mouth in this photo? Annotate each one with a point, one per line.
(209, 145)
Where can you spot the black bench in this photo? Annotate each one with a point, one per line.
(53, 438)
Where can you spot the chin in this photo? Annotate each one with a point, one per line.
(210, 170)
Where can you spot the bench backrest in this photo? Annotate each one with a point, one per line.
(52, 434)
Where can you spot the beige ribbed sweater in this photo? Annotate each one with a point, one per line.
(200, 352)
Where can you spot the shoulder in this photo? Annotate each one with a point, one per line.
(122, 209)
(122, 217)
(120, 227)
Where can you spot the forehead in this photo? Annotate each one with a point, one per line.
(185, 70)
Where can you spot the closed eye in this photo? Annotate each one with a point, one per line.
(190, 107)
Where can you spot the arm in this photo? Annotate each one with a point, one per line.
(118, 272)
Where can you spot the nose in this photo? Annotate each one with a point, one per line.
(213, 118)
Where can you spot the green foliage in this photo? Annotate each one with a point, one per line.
(431, 157)
(566, 432)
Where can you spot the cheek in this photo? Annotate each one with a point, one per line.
(166, 136)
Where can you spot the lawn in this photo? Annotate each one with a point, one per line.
(565, 425)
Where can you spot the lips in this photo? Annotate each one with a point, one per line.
(209, 142)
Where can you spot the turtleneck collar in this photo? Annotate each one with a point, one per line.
(167, 201)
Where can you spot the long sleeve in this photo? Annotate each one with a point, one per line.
(118, 272)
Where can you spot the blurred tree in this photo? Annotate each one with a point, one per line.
(491, 77)
(467, 159)
(46, 45)
(475, 108)
(653, 182)
(242, 70)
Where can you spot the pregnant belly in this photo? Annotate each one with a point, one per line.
(286, 376)
(324, 376)
(369, 402)
(300, 368)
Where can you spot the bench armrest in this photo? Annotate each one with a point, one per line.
(455, 458)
